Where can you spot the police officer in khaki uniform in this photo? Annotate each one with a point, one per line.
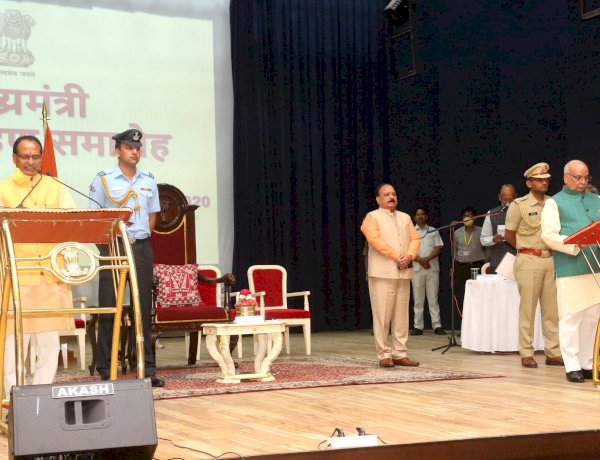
(534, 268)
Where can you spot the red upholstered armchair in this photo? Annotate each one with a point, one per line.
(186, 295)
(272, 279)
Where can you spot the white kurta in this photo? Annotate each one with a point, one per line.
(578, 292)
(578, 299)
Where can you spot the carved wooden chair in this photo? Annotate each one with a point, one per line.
(186, 295)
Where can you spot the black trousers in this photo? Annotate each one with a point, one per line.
(462, 273)
(143, 259)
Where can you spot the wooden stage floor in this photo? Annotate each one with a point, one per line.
(524, 402)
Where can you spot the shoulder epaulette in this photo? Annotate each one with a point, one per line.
(101, 173)
(521, 198)
(149, 174)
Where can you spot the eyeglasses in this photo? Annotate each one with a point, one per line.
(34, 158)
(580, 178)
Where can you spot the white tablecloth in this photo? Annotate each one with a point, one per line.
(491, 316)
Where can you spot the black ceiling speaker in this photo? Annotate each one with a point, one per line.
(397, 11)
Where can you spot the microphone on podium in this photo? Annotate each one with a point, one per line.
(74, 189)
(20, 205)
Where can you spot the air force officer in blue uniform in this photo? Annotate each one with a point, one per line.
(125, 186)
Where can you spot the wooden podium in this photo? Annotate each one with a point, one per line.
(69, 230)
(588, 236)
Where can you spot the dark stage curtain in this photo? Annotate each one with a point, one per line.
(322, 114)
(309, 128)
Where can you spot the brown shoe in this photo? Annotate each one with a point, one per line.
(406, 361)
(558, 361)
(528, 362)
(386, 362)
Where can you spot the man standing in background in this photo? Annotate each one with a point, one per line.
(468, 252)
(393, 245)
(492, 232)
(426, 279)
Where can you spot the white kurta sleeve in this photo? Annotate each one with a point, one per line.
(551, 230)
(487, 236)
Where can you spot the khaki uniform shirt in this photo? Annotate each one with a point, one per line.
(524, 217)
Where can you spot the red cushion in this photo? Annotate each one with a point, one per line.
(208, 291)
(283, 313)
(177, 285)
(271, 282)
(189, 313)
(79, 323)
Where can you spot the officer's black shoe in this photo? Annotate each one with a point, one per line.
(587, 373)
(156, 382)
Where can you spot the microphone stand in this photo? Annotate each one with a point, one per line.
(74, 189)
(453, 301)
(20, 205)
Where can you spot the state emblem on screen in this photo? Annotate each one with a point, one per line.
(15, 30)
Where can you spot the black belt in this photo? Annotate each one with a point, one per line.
(138, 241)
(477, 264)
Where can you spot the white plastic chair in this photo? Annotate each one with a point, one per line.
(78, 331)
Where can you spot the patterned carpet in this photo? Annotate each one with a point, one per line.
(290, 373)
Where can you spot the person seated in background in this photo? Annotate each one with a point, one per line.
(426, 279)
(492, 232)
(468, 251)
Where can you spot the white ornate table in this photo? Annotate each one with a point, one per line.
(490, 320)
(267, 333)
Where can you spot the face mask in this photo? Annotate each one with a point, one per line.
(468, 221)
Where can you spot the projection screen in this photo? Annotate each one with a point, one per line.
(104, 67)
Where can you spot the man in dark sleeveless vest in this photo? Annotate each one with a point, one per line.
(492, 232)
(578, 294)
(534, 268)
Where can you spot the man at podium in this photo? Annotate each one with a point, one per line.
(27, 188)
(578, 295)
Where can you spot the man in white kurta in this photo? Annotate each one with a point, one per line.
(577, 291)
(393, 245)
(39, 290)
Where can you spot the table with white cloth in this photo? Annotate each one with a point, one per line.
(490, 320)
